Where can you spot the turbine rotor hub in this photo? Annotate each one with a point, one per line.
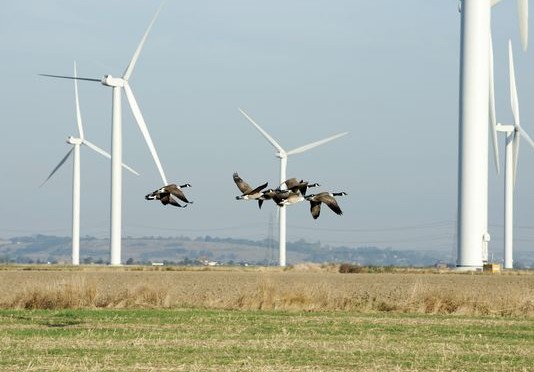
(74, 141)
(111, 81)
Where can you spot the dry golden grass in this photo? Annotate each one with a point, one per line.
(330, 321)
(302, 288)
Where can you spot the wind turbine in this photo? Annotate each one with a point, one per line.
(282, 155)
(119, 83)
(514, 133)
(76, 143)
(511, 132)
(473, 236)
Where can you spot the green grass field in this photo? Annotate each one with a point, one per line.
(305, 318)
(203, 340)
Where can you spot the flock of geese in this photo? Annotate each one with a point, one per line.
(289, 192)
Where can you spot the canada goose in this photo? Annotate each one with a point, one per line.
(298, 186)
(324, 197)
(290, 197)
(165, 193)
(276, 195)
(295, 193)
(248, 192)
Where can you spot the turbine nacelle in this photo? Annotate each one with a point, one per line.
(506, 128)
(111, 81)
(74, 141)
(281, 155)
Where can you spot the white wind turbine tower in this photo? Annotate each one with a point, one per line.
(473, 234)
(513, 135)
(282, 155)
(118, 83)
(76, 142)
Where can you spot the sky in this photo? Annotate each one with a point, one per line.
(385, 71)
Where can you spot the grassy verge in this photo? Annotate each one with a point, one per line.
(217, 340)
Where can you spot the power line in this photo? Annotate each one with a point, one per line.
(181, 228)
(416, 239)
(437, 224)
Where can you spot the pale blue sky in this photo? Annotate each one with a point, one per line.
(386, 71)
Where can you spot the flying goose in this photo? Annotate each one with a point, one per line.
(165, 194)
(289, 197)
(276, 195)
(248, 192)
(324, 197)
(298, 186)
(295, 193)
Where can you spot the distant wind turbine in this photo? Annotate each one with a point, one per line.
(472, 228)
(514, 133)
(76, 142)
(116, 147)
(282, 155)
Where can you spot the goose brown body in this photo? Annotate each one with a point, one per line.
(326, 198)
(295, 192)
(165, 195)
(298, 186)
(248, 193)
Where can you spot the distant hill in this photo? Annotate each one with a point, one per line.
(184, 250)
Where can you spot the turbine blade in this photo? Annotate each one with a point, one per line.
(71, 77)
(94, 147)
(516, 140)
(129, 70)
(275, 144)
(527, 137)
(492, 114)
(130, 169)
(513, 88)
(78, 113)
(271, 140)
(144, 130)
(315, 144)
(523, 22)
(58, 166)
